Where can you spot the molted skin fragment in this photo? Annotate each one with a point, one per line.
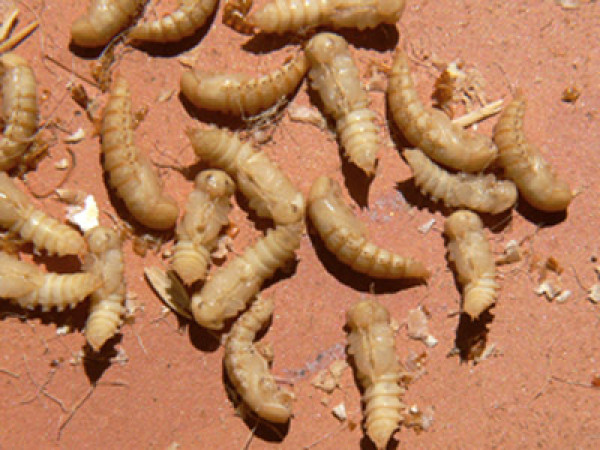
(248, 370)
(470, 251)
(430, 129)
(346, 237)
(335, 76)
(130, 172)
(524, 164)
(371, 344)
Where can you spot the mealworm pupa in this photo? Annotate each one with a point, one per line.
(207, 208)
(470, 251)
(483, 193)
(269, 191)
(240, 94)
(20, 216)
(230, 289)
(346, 237)
(524, 164)
(430, 129)
(234, 15)
(19, 109)
(372, 347)
(335, 76)
(248, 370)
(130, 172)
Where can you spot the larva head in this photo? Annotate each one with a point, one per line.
(207, 314)
(101, 239)
(322, 187)
(462, 222)
(276, 406)
(324, 47)
(365, 313)
(390, 10)
(215, 183)
(286, 212)
(12, 200)
(10, 60)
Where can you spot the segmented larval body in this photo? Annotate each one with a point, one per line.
(107, 305)
(335, 76)
(483, 193)
(207, 208)
(248, 370)
(524, 164)
(18, 278)
(130, 172)
(430, 129)
(346, 237)
(230, 289)
(371, 344)
(19, 109)
(470, 251)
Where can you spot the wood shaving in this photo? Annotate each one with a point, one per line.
(563, 296)
(512, 253)
(328, 379)
(170, 290)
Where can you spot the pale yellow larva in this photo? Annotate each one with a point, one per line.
(207, 208)
(430, 129)
(346, 237)
(269, 191)
(470, 251)
(335, 76)
(18, 278)
(248, 370)
(19, 109)
(230, 289)
(130, 172)
(372, 347)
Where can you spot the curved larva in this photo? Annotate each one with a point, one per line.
(335, 76)
(430, 129)
(524, 164)
(230, 289)
(346, 237)
(234, 15)
(18, 278)
(248, 370)
(19, 109)
(240, 94)
(483, 193)
(103, 20)
(130, 172)
(107, 305)
(269, 191)
(20, 216)
(189, 16)
(207, 208)
(470, 251)
(371, 344)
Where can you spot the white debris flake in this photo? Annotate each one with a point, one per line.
(563, 296)
(78, 136)
(339, 411)
(512, 253)
(594, 294)
(427, 226)
(63, 331)
(417, 327)
(85, 218)
(63, 164)
(548, 290)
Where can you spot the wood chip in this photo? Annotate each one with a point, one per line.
(170, 290)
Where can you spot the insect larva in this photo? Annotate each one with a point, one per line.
(346, 237)
(430, 129)
(483, 193)
(18, 278)
(234, 15)
(107, 305)
(18, 215)
(130, 172)
(240, 94)
(469, 250)
(230, 289)
(269, 191)
(524, 164)
(335, 76)
(248, 370)
(103, 20)
(19, 109)
(189, 16)
(372, 347)
(206, 213)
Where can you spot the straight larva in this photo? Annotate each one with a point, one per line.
(346, 237)
(335, 76)
(130, 172)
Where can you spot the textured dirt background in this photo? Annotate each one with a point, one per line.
(535, 391)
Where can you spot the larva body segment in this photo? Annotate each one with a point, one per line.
(470, 251)
(483, 193)
(524, 164)
(372, 347)
(230, 289)
(130, 172)
(346, 237)
(335, 76)
(206, 213)
(19, 109)
(248, 370)
(430, 129)
(18, 278)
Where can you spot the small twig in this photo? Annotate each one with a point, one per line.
(249, 440)
(74, 409)
(71, 71)
(41, 389)
(9, 373)
(572, 383)
(479, 114)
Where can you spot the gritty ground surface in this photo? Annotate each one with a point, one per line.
(162, 386)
